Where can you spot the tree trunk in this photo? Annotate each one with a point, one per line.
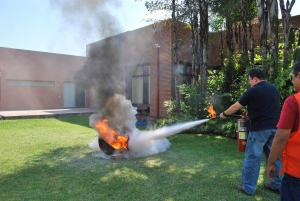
(195, 48)
(286, 15)
(240, 38)
(245, 35)
(273, 23)
(222, 50)
(251, 42)
(263, 17)
(176, 63)
(195, 44)
(229, 75)
(236, 35)
(200, 44)
(204, 30)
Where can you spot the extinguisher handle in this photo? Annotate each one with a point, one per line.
(245, 115)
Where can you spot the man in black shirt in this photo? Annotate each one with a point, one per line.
(263, 106)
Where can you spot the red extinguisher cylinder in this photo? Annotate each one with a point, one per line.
(242, 141)
(242, 132)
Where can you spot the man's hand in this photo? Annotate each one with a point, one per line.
(279, 142)
(222, 116)
(232, 109)
(271, 171)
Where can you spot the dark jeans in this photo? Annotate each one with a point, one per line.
(290, 188)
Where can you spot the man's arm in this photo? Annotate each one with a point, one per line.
(279, 142)
(232, 109)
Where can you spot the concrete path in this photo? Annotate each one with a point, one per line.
(55, 113)
(19, 114)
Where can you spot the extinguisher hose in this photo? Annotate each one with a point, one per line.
(231, 115)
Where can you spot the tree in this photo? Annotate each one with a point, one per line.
(203, 10)
(195, 42)
(248, 13)
(273, 23)
(252, 46)
(245, 35)
(286, 15)
(195, 50)
(268, 20)
(262, 11)
(217, 24)
(175, 58)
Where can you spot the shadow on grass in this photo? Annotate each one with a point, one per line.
(81, 121)
(194, 168)
(84, 121)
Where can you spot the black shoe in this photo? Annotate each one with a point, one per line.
(267, 186)
(240, 188)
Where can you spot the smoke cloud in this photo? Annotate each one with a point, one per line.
(92, 18)
(103, 74)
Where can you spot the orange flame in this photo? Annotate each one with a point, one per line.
(110, 136)
(212, 112)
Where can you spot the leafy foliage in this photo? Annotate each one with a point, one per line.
(227, 84)
(221, 99)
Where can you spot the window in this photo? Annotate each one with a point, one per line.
(141, 84)
(29, 83)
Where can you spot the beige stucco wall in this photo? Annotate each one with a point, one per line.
(18, 64)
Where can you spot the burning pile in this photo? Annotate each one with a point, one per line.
(119, 137)
(110, 136)
(115, 124)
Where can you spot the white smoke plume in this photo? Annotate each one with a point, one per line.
(121, 117)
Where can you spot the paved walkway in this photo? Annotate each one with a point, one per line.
(19, 114)
(22, 114)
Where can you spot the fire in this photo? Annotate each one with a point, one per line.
(110, 136)
(212, 112)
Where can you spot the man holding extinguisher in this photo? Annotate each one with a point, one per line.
(263, 106)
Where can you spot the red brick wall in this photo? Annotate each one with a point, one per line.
(164, 40)
(295, 21)
(139, 47)
(214, 49)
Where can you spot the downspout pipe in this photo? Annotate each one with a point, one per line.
(157, 80)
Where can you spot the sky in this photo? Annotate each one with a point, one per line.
(44, 25)
(66, 26)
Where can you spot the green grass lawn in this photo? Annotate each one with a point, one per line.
(48, 159)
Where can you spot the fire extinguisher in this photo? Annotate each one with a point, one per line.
(242, 133)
